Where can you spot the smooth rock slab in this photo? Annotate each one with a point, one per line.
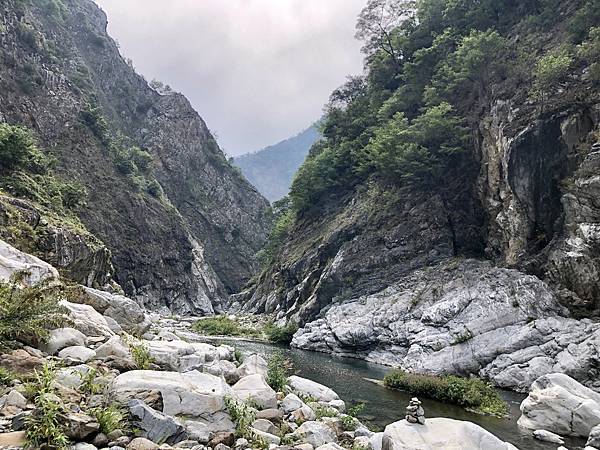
(548, 436)
(196, 395)
(305, 387)
(253, 364)
(558, 403)
(87, 320)
(440, 433)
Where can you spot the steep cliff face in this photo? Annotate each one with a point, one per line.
(485, 273)
(184, 242)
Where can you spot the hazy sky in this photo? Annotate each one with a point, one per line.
(257, 71)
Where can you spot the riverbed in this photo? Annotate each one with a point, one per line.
(350, 379)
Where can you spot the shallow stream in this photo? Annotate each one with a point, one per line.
(350, 379)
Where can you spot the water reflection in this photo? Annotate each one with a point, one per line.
(349, 378)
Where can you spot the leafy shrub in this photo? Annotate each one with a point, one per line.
(325, 411)
(472, 393)
(18, 150)
(141, 355)
(242, 415)
(280, 335)
(6, 377)
(283, 220)
(28, 313)
(550, 71)
(110, 418)
(278, 371)
(44, 428)
(589, 51)
(89, 385)
(94, 119)
(222, 326)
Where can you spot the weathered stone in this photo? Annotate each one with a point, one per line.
(141, 443)
(594, 437)
(14, 261)
(15, 398)
(224, 437)
(63, 338)
(271, 414)
(303, 386)
(126, 312)
(195, 395)
(560, 404)
(265, 425)
(291, 403)
(156, 426)
(268, 437)
(77, 353)
(198, 431)
(20, 362)
(548, 436)
(253, 364)
(440, 433)
(315, 433)
(79, 426)
(255, 388)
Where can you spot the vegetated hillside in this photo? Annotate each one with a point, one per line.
(272, 169)
(473, 134)
(182, 225)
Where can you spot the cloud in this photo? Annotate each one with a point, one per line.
(257, 71)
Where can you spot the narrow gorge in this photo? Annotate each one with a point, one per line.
(441, 239)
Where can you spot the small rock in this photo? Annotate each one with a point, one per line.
(20, 362)
(142, 444)
(362, 442)
(63, 338)
(186, 444)
(594, 437)
(115, 434)
(268, 437)
(15, 398)
(83, 446)
(548, 436)
(252, 365)
(156, 426)
(241, 443)
(254, 387)
(304, 447)
(271, 414)
(223, 437)
(198, 431)
(265, 425)
(315, 433)
(222, 447)
(101, 440)
(291, 403)
(79, 426)
(14, 439)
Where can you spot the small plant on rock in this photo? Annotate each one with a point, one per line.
(242, 414)
(44, 428)
(278, 371)
(141, 355)
(110, 418)
(89, 385)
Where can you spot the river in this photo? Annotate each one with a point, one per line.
(349, 378)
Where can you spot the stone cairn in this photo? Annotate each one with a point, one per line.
(415, 412)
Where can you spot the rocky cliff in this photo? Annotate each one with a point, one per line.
(182, 225)
(477, 274)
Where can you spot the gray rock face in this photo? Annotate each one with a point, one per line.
(13, 261)
(156, 426)
(183, 248)
(464, 317)
(197, 396)
(560, 404)
(440, 433)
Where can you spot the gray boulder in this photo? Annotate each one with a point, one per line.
(440, 433)
(156, 426)
(253, 364)
(315, 434)
(197, 396)
(87, 320)
(13, 261)
(594, 437)
(291, 403)
(77, 353)
(125, 311)
(558, 403)
(62, 338)
(305, 387)
(255, 388)
(548, 436)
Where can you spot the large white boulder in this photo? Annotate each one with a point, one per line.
(197, 396)
(87, 320)
(114, 347)
(255, 388)
(62, 338)
(253, 364)
(558, 403)
(77, 353)
(13, 261)
(125, 311)
(309, 388)
(440, 433)
(315, 434)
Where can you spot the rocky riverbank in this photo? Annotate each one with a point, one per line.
(98, 386)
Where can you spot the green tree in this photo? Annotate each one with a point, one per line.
(18, 150)
(551, 70)
(589, 51)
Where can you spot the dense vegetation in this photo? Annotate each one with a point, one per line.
(471, 393)
(432, 68)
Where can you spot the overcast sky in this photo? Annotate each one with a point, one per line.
(257, 71)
